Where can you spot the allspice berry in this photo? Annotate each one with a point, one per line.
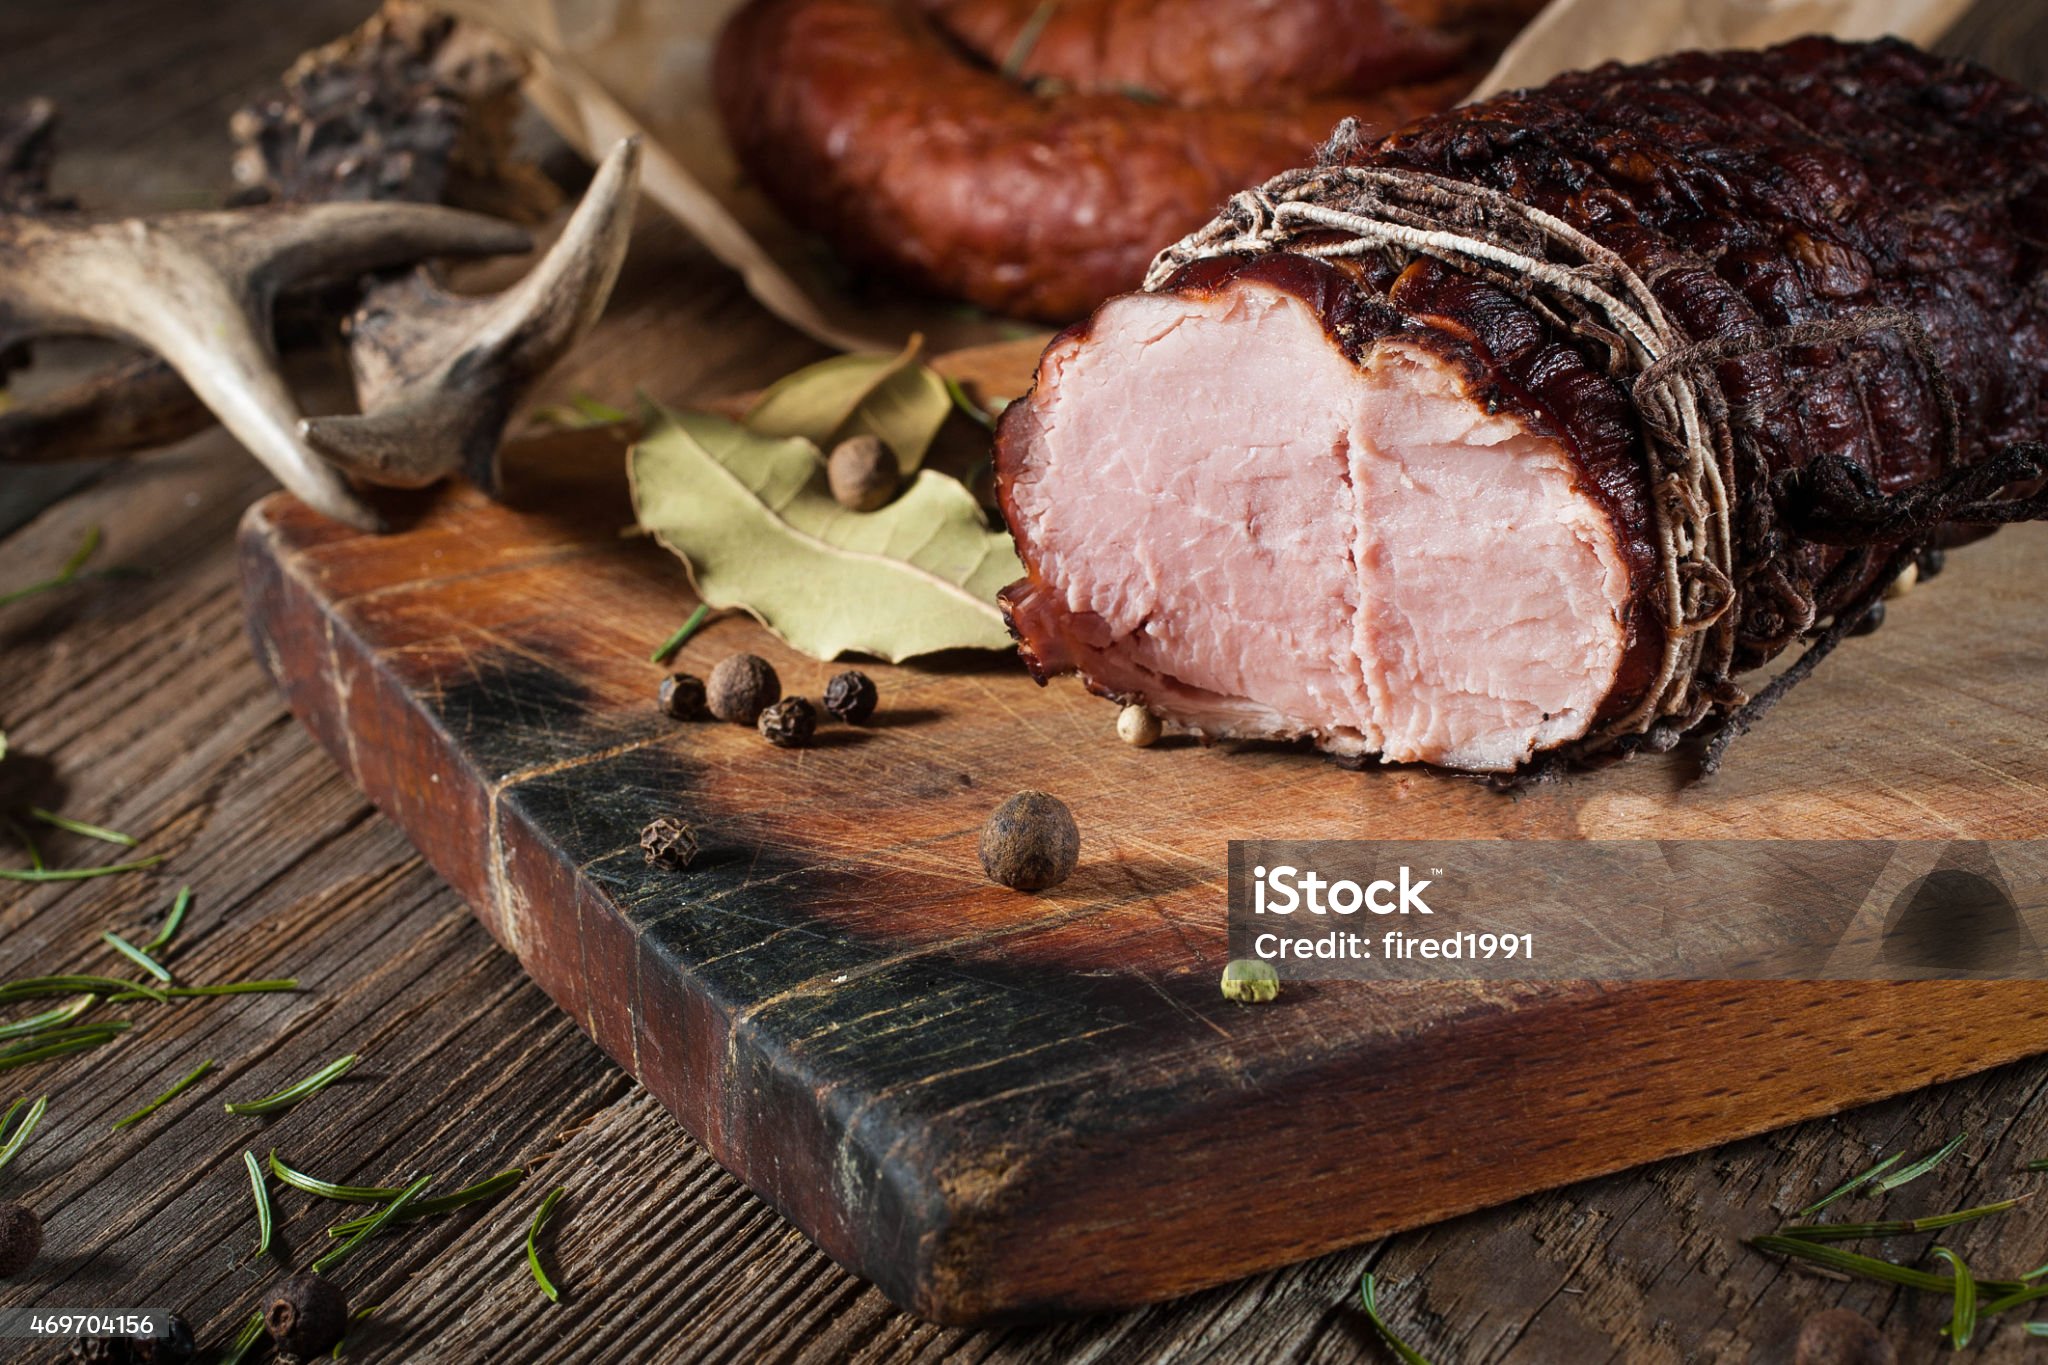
(682, 696)
(851, 696)
(790, 723)
(21, 1238)
(1932, 561)
(1137, 727)
(174, 1346)
(862, 473)
(741, 688)
(1842, 1336)
(1872, 619)
(669, 842)
(305, 1315)
(1031, 842)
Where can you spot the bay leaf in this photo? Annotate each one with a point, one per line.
(891, 396)
(750, 516)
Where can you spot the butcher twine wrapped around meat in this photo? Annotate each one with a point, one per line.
(1535, 425)
(916, 146)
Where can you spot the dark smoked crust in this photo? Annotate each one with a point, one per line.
(1811, 182)
(866, 125)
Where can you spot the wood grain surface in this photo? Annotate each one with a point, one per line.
(140, 705)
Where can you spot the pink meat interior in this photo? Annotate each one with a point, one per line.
(1234, 522)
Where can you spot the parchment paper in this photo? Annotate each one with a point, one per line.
(604, 69)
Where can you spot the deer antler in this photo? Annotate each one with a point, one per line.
(197, 289)
(438, 375)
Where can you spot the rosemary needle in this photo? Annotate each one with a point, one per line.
(667, 648)
(136, 955)
(1850, 1186)
(334, 1256)
(160, 1101)
(1962, 1323)
(487, 1188)
(19, 1137)
(1366, 1293)
(75, 874)
(171, 922)
(533, 1232)
(30, 987)
(353, 1194)
(1845, 1232)
(66, 823)
(48, 1019)
(262, 1190)
(42, 1050)
(1922, 1166)
(298, 1090)
(1871, 1268)
(134, 990)
(251, 1333)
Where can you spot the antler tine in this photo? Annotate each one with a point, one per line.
(295, 244)
(196, 289)
(438, 376)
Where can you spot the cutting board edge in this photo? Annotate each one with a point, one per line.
(965, 1250)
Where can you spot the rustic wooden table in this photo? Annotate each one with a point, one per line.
(135, 703)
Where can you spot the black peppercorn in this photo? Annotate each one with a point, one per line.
(175, 1346)
(101, 1351)
(21, 1238)
(1933, 560)
(1031, 842)
(790, 723)
(668, 841)
(682, 696)
(1872, 619)
(741, 688)
(851, 696)
(305, 1315)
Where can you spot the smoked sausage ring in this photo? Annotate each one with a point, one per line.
(867, 122)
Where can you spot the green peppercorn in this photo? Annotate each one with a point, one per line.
(1250, 981)
(682, 696)
(741, 688)
(790, 723)
(851, 696)
(305, 1315)
(1031, 842)
(21, 1238)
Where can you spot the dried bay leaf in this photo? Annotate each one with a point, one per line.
(750, 516)
(890, 396)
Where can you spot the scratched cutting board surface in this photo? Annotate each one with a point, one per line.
(995, 1104)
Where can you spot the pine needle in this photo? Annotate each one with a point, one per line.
(1850, 1186)
(1368, 1296)
(171, 922)
(334, 1256)
(667, 648)
(66, 823)
(17, 1139)
(262, 1189)
(136, 955)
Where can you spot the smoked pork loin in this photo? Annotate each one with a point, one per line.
(1363, 466)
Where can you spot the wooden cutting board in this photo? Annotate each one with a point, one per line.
(994, 1104)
